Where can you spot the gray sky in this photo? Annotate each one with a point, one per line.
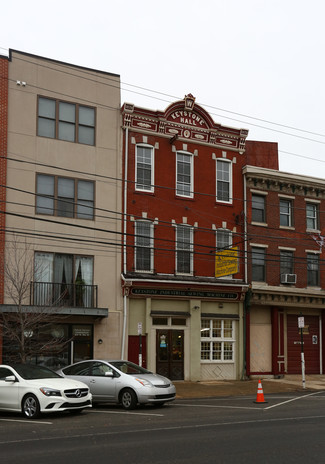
(249, 63)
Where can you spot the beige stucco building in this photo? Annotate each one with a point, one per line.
(63, 199)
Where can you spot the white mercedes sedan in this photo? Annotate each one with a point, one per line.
(121, 382)
(33, 390)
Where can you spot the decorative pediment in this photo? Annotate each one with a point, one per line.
(184, 119)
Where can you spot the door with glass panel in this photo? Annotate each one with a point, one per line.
(170, 353)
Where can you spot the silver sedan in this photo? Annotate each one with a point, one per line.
(121, 382)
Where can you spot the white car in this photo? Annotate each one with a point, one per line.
(32, 390)
(121, 382)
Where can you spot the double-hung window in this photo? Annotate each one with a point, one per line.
(217, 340)
(313, 269)
(144, 168)
(144, 246)
(224, 181)
(258, 208)
(66, 121)
(312, 216)
(286, 212)
(184, 249)
(184, 174)
(224, 239)
(65, 197)
(286, 262)
(258, 264)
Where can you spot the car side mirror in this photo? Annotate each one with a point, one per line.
(10, 378)
(109, 374)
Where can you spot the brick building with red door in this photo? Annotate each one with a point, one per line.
(183, 257)
(285, 226)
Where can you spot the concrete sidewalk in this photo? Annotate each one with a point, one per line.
(290, 383)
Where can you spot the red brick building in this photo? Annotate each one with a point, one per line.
(285, 225)
(183, 201)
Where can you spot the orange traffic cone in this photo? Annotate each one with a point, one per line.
(260, 394)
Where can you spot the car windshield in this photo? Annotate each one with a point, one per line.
(129, 368)
(30, 372)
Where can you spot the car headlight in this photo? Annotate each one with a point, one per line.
(50, 391)
(144, 382)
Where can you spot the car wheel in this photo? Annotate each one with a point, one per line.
(128, 399)
(30, 406)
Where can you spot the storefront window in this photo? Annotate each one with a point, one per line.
(217, 340)
(53, 345)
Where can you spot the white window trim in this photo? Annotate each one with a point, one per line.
(151, 246)
(316, 218)
(291, 211)
(152, 182)
(224, 160)
(221, 340)
(191, 195)
(191, 248)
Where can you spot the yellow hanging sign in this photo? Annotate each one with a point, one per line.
(226, 262)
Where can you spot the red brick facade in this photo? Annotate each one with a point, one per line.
(294, 280)
(183, 173)
(201, 210)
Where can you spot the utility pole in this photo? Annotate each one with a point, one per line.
(301, 325)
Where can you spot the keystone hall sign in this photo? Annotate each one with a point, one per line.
(192, 119)
(188, 116)
(184, 119)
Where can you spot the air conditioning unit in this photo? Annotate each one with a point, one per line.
(288, 278)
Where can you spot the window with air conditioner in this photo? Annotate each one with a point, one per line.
(287, 267)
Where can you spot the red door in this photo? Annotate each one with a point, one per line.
(134, 349)
(311, 345)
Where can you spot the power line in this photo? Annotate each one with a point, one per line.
(83, 70)
(86, 71)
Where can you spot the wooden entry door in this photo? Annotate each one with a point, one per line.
(311, 345)
(170, 353)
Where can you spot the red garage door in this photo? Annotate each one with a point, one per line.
(311, 345)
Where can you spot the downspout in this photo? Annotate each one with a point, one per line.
(124, 239)
(245, 228)
(246, 300)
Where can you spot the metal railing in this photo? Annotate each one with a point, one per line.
(62, 294)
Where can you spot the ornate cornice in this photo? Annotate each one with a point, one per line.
(294, 185)
(185, 120)
(289, 297)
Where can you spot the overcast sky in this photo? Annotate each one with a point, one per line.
(255, 64)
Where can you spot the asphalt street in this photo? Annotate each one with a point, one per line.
(288, 428)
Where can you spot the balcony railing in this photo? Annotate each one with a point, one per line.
(62, 294)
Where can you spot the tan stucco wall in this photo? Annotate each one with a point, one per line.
(139, 310)
(100, 90)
